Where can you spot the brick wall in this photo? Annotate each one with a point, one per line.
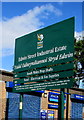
(7, 78)
(4, 76)
(45, 102)
(2, 99)
(83, 113)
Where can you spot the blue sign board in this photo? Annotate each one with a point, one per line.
(50, 115)
(79, 97)
(43, 114)
(10, 84)
(51, 106)
(53, 97)
(40, 91)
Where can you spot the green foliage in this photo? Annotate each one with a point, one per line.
(79, 51)
(79, 55)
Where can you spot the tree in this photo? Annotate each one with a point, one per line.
(79, 56)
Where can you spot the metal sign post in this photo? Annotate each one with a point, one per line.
(61, 105)
(20, 106)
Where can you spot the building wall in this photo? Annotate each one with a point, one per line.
(77, 91)
(4, 76)
(76, 106)
(8, 76)
(83, 112)
(69, 110)
(2, 100)
(45, 102)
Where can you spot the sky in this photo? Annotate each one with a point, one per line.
(20, 18)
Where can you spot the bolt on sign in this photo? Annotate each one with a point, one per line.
(44, 58)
